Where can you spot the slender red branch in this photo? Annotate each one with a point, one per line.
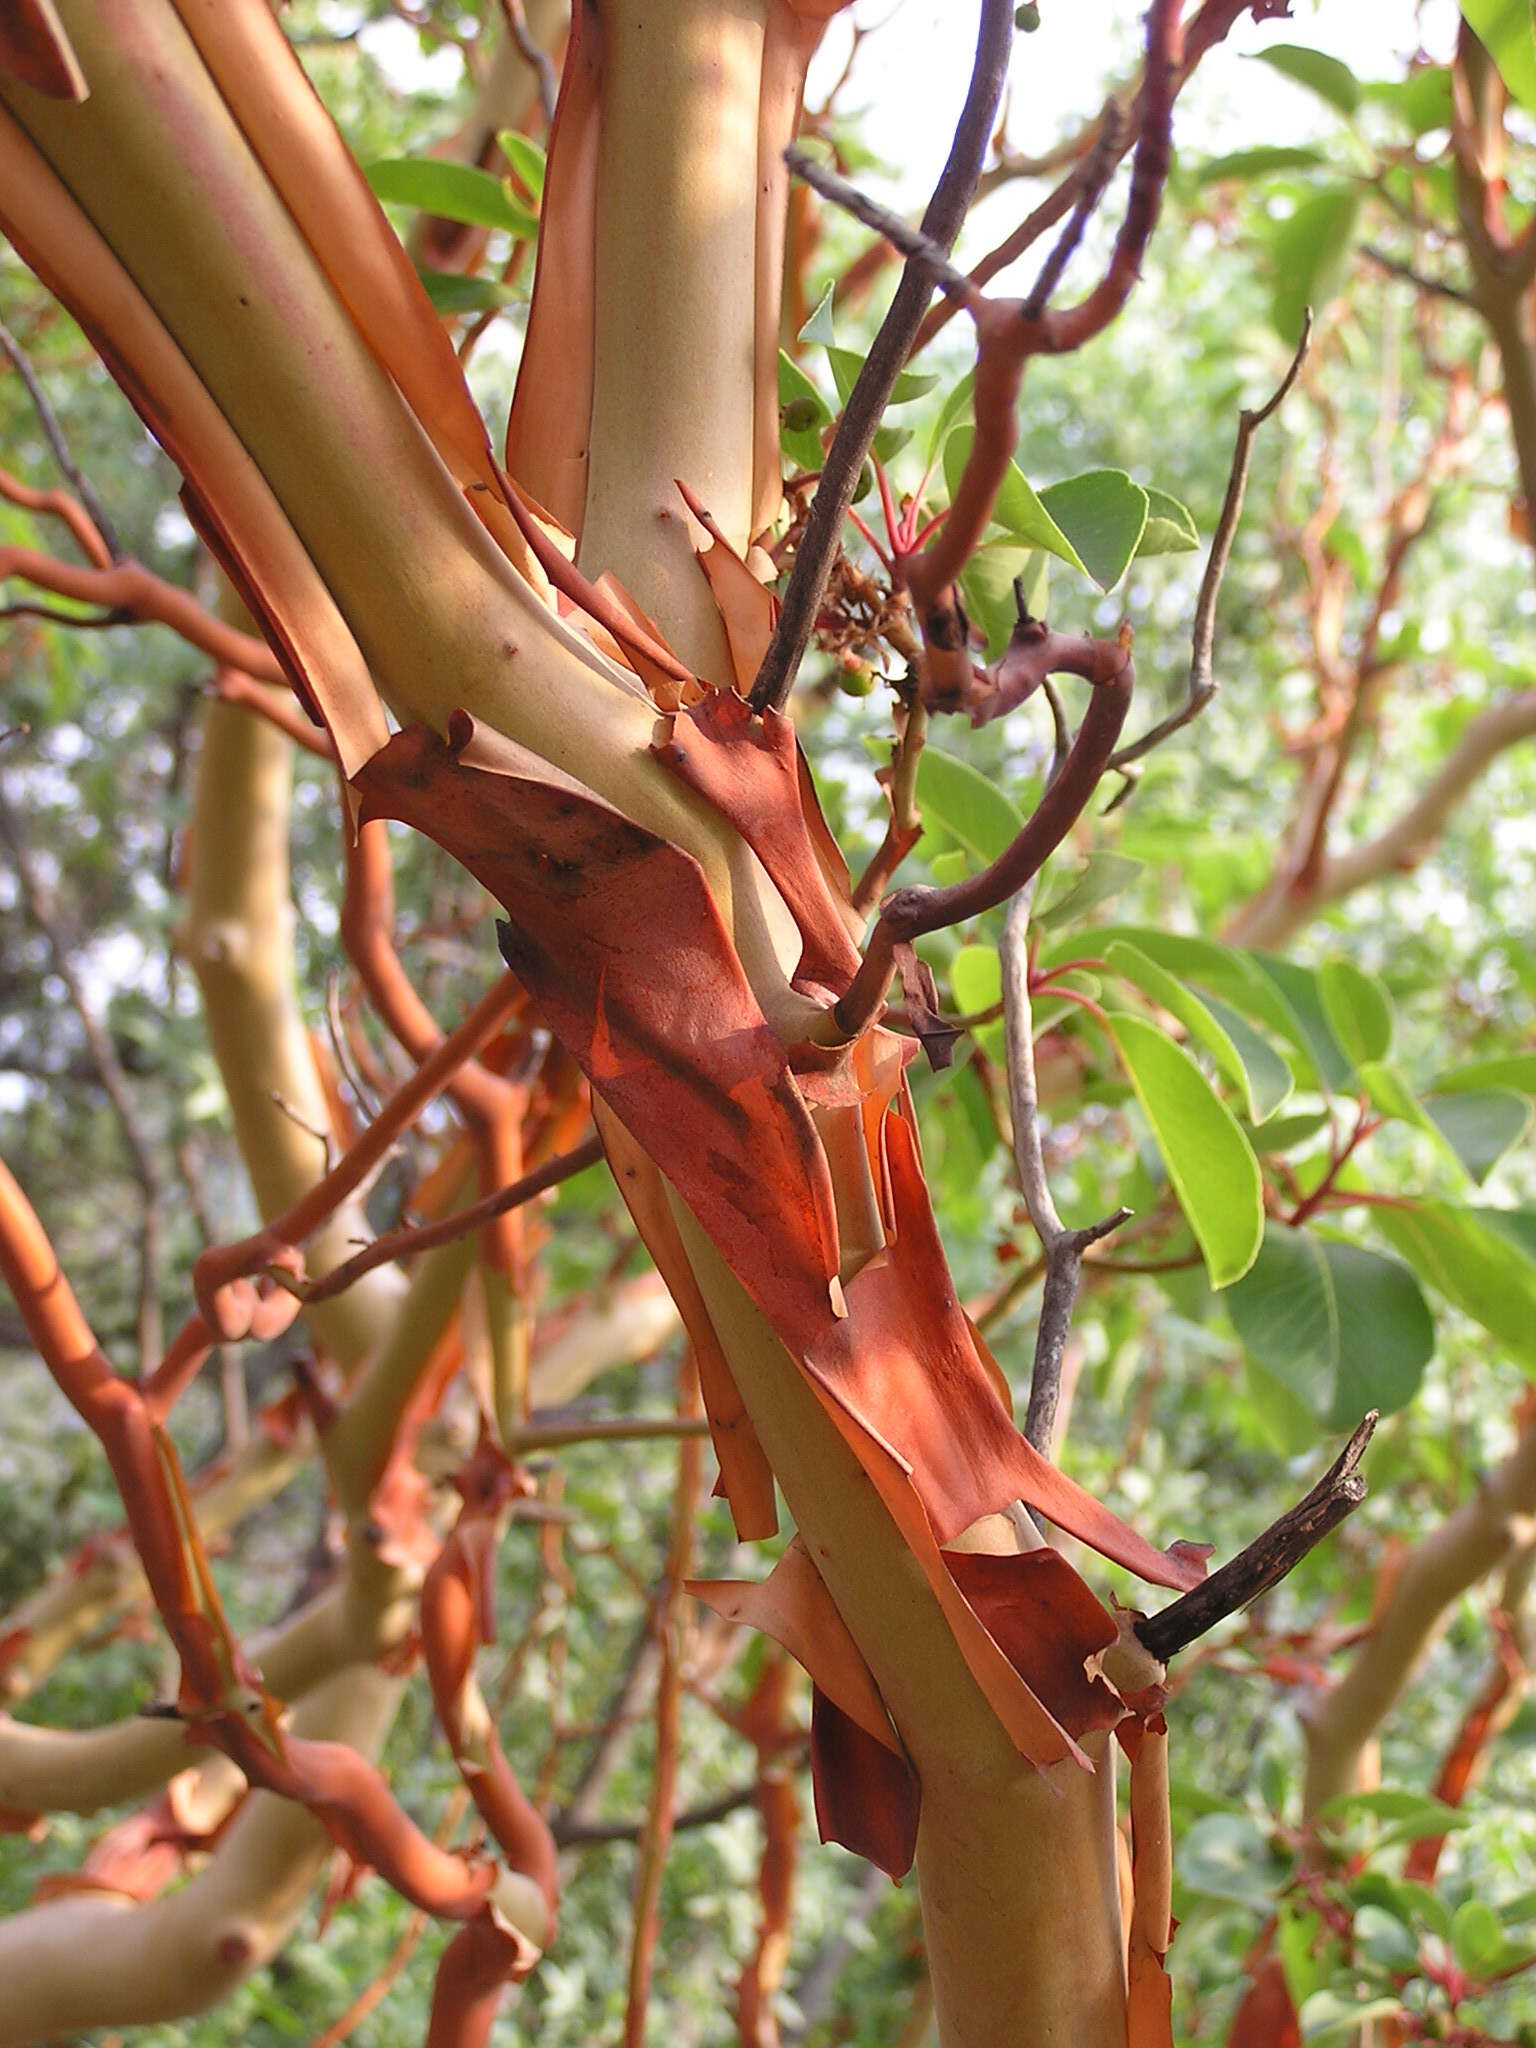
(221, 1278)
(918, 909)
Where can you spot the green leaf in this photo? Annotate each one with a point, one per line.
(1259, 162)
(1285, 1133)
(525, 157)
(1101, 876)
(1330, 79)
(1480, 1125)
(1209, 1161)
(1307, 253)
(1225, 1856)
(819, 327)
(1422, 99)
(1476, 1936)
(1017, 509)
(1270, 1080)
(1477, 1262)
(1343, 1328)
(803, 412)
(1229, 970)
(1358, 1009)
(1170, 527)
(1505, 30)
(1199, 1020)
(955, 407)
(1103, 514)
(847, 362)
(1309, 1031)
(452, 192)
(1514, 1070)
(1333, 2016)
(452, 292)
(976, 979)
(971, 808)
(986, 584)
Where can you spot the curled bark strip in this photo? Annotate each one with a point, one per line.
(550, 421)
(912, 911)
(794, 1607)
(747, 607)
(594, 903)
(1149, 1994)
(867, 1796)
(746, 1479)
(748, 768)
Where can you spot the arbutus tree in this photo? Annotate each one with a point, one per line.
(565, 664)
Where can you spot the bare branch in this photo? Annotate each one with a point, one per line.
(872, 388)
(1202, 681)
(49, 421)
(1063, 1248)
(538, 60)
(913, 911)
(1267, 1560)
(396, 1244)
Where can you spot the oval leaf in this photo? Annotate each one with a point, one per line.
(968, 806)
(1209, 1161)
(1358, 1009)
(452, 192)
(1343, 1328)
(1103, 514)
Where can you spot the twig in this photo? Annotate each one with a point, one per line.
(605, 1429)
(49, 421)
(426, 1237)
(574, 1833)
(907, 240)
(1094, 176)
(538, 60)
(911, 912)
(1267, 1560)
(1434, 285)
(1063, 1248)
(1202, 681)
(670, 1619)
(872, 388)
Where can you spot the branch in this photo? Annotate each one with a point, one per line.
(222, 1277)
(396, 1244)
(1202, 682)
(56, 441)
(911, 912)
(1433, 285)
(1404, 843)
(538, 60)
(1479, 1536)
(134, 595)
(1267, 1560)
(892, 345)
(1063, 1248)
